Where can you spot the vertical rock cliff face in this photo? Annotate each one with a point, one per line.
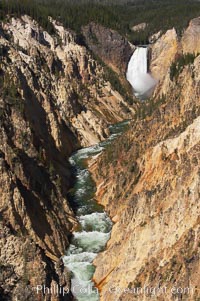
(163, 52)
(113, 50)
(109, 45)
(65, 70)
(149, 184)
(191, 37)
(53, 99)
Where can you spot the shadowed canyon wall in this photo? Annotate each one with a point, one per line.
(54, 99)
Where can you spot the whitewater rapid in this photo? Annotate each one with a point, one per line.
(137, 74)
(95, 225)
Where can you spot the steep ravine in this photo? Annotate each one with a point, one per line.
(94, 225)
(54, 99)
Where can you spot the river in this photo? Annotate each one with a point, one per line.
(95, 226)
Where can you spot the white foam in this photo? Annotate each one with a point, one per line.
(96, 222)
(81, 270)
(85, 257)
(85, 153)
(84, 290)
(90, 241)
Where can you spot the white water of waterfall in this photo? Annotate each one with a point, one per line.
(137, 74)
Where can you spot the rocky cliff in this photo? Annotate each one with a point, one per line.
(109, 45)
(148, 182)
(191, 37)
(54, 98)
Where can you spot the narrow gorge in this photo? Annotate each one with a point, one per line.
(99, 153)
(94, 225)
(55, 99)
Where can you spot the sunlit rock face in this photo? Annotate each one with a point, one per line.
(191, 37)
(154, 205)
(137, 74)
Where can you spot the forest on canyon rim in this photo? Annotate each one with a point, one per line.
(120, 15)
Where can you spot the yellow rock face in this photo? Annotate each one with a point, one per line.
(163, 53)
(191, 37)
(152, 192)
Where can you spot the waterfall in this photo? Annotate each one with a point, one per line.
(138, 61)
(137, 74)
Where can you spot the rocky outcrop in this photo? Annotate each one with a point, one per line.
(168, 48)
(149, 184)
(191, 37)
(109, 45)
(139, 27)
(163, 52)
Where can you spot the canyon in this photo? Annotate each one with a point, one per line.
(56, 98)
(149, 185)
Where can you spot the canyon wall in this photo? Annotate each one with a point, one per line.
(109, 45)
(148, 182)
(54, 99)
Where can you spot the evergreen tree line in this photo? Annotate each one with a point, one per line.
(158, 14)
